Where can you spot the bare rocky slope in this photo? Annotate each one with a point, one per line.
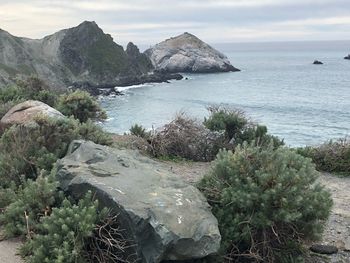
(187, 53)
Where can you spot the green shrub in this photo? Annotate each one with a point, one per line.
(10, 93)
(32, 88)
(266, 201)
(7, 196)
(81, 105)
(92, 132)
(238, 128)
(231, 121)
(62, 235)
(30, 202)
(139, 131)
(332, 156)
(27, 149)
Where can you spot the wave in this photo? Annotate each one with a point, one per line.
(132, 87)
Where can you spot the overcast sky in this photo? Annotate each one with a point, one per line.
(215, 21)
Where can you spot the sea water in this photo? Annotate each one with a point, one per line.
(278, 86)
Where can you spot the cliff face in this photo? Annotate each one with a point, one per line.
(82, 55)
(187, 53)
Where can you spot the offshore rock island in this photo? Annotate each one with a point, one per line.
(187, 53)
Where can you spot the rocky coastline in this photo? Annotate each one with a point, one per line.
(85, 57)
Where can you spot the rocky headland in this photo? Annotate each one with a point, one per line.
(80, 57)
(85, 57)
(187, 53)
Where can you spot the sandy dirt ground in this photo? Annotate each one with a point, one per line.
(8, 251)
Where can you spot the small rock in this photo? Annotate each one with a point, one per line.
(340, 244)
(347, 57)
(317, 62)
(324, 249)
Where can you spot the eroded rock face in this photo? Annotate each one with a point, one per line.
(26, 112)
(168, 218)
(82, 56)
(187, 53)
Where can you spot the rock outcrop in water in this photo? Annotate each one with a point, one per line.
(82, 56)
(187, 53)
(166, 217)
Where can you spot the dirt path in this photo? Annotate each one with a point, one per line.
(8, 251)
(337, 230)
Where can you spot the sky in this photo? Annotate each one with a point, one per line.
(148, 22)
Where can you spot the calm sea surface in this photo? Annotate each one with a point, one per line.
(278, 86)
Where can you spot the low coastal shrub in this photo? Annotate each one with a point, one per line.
(11, 93)
(61, 235)
(139, 131)
(90, 131)
(184, 137)
(81, 105)
(31, 88)
(27, 149)
(74, 233)
(332, 156)
(31, 201)
(266, 201)
(7, 196)
(34, 88)
(231, 121)
(237, 127)
(187, 138)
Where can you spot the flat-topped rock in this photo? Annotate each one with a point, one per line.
(26, 112)
(187, 53)
(168, 218)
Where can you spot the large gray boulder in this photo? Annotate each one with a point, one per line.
(26, 112)
(187, 53)
(168, 218)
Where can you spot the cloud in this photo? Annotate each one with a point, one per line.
(150, 21)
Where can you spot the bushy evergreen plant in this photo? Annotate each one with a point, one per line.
(139, 131)
(62, 235)
(31, 201)
(238, 128)
(266, 201)
(81, 105)
(27, 149)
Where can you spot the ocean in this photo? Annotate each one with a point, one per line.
(278, 86)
